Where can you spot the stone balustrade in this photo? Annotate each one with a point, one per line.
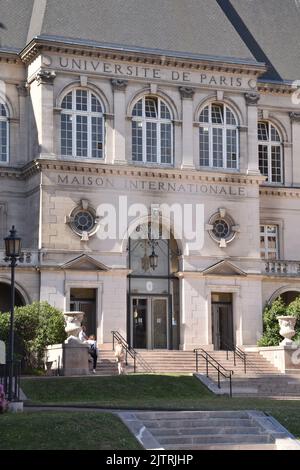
(29, 258)
(282, 268)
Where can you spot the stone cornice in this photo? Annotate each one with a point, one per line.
(279, 192)
(275, 88)
(89, 168)
(139, 55)
(10, 57)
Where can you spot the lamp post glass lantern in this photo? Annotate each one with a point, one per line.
(12, 254)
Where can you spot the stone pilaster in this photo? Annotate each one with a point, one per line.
(187, 95)
(252, 101)
(119, 133)
(295, 125)
(23, 140)
(41, 90)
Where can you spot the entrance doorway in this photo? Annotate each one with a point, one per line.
(222, 321)
(84, 300)
(153, 307)
(149, 322)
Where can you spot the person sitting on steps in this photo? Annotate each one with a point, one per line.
(93, 351)
(91, 340)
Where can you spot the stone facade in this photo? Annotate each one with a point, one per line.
(40, 187)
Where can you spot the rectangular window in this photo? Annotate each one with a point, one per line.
(204, 146)
(269, 243)
(263, 159)
(151, 142)
(81, 136)
(97, 137)
(276, 164)
(166, 143)
(217, 143)
(151, 108)
(81, 100)
(263, 131)
(3, 142)
(231, 148)
(66, 134)
(137, 141)
(217, 114)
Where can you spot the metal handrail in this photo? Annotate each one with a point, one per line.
(236, 352)
(227, 374)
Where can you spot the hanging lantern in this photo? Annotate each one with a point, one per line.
(153, 258)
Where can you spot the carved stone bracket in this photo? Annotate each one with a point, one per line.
(45, 77)
(186, 92)
(295, 116)
(119, 85)
(252, 98)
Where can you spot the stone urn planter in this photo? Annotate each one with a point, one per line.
(287, 329)
(73, 324)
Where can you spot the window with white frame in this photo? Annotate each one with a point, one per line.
(4, 134)
(270, 152)
(218, 137)
(82, 125)
(269, 243)
(152, 131)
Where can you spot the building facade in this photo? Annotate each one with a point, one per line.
(103, 134)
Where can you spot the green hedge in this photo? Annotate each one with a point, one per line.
(36, 326)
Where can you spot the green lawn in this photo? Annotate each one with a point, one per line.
(153, 392)
(64, 430)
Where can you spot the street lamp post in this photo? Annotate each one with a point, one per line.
(12, 253)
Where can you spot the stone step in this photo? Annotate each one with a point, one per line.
(229, 446)
(198, 423)
(216, 439)
(179, 415)
(206, 431)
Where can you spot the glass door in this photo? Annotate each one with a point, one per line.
(139, 315)
(222, 326)
(159, 310)
(149, 322)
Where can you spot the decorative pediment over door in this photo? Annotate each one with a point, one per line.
(224, 268)
(85, 263)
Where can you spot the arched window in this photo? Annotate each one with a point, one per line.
(4, 134)
(152, 131)
(218, 137)
(270, 152)
(82, 125)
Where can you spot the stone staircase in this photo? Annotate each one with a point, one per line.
(261, 378)
(208, 430)
(106, 363)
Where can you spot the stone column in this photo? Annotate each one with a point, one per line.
(41, 90)
(119, 147)
(187, 95)
(251, 101)
(295, 123)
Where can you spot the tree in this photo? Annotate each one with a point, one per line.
(271, 336)
(36, 326)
